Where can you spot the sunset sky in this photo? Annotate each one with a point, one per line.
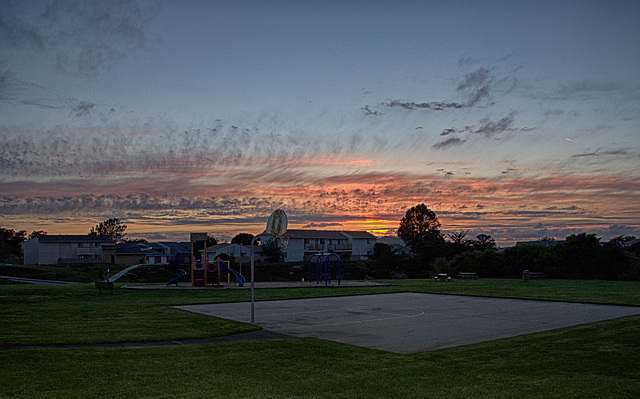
(514, 119)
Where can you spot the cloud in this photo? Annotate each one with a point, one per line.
(16, 31)
(433, 105)
(476, 87)
(588, 88)
(450, 142)
(486, 127)
(321, 225)
(82, 108)
(81, 37)
(490, 128)
(599, 153)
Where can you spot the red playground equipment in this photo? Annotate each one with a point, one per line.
(199, 266)
(202, 273)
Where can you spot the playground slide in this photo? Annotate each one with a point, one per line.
(239, 277)
(181, 274)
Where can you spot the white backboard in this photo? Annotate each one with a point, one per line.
(277, 223)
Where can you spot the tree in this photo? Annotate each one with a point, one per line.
(242, 239)
(10, 244)
(483, 241)
(420, 229)
(459, 238)
(211, 241)
(113, 228)
(35, 234)
(385, 261)
(272, 251)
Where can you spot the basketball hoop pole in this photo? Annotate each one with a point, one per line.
(276, 226)
(253, 318)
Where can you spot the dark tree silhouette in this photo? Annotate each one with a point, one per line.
(242, 239)
(420, 228)
(484, 241)
(272, 251)
(113, 228)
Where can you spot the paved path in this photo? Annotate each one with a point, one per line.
(35, 281)
(122, 273)
(413, 322)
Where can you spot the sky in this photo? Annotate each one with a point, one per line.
(520, 120)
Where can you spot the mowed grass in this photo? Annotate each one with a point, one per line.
(62, 314)
(590, 361)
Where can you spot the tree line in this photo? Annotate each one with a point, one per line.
(581, 256)
(431, 252)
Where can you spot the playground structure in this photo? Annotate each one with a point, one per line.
(201, 272)
(213, 275)
(323, 267)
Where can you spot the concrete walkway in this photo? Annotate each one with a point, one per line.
(122, 273)
(413, 322)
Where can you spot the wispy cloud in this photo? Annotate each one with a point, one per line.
(87, 37)
(433, 105)
(450, 142)
(476, 87)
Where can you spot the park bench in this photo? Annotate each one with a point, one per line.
(467, 275)
(537, 275)
(107, 285)
(442, 277)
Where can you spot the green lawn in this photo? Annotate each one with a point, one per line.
(595, 360)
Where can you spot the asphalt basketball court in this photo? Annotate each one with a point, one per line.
(412, 322)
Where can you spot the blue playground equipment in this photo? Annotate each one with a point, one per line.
(224, 268)
(323, 267)
(180, 273)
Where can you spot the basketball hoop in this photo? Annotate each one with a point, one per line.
(277, 223)
(284, 240)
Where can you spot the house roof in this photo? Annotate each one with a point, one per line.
(315, 234)
(217, 247)
(74, 238)
(135, 248)
(360, 234)
(183, 247)
(337, 234)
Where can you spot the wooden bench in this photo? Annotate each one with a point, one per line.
(442, 277)
(536, 275)
(107, 285)
(467, 275)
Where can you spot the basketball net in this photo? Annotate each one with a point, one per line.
(284, 240)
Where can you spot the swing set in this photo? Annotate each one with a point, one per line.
(323, 267)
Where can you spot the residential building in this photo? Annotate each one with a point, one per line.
(53, 249)
(302, 244)
(134, 253)
(180, 251)
(239, 253)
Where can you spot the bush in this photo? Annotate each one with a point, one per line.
(482, 262)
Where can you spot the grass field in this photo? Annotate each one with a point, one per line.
(595, 360)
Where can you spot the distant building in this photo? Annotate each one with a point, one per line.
(135, 253)
(397, 244)
(180, 251)
(240, 253)
(302, 244)
(54, 249)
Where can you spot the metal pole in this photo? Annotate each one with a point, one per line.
(253, 318)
